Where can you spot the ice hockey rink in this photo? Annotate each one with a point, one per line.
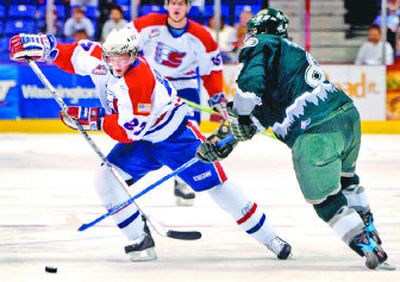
(46, 178)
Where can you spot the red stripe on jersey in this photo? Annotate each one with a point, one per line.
(140, 81)
(221, 173)
(248, 214)
(200, 32)
(112, 128)
(97, 52)
(149, 20)
(63, 59)
(213, 82)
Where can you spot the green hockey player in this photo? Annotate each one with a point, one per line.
(281, 86)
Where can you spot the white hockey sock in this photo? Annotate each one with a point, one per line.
(347, 223)
(128, 219)
(357, 198)
(245, 212)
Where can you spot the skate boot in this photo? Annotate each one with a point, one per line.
(184, 196)
(370, 227)
(280, 247)
(375, 257)
(143, 249)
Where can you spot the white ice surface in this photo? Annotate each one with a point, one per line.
(45, 178)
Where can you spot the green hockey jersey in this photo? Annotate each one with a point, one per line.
(288, 87)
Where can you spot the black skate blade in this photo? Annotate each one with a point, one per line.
(184, 235)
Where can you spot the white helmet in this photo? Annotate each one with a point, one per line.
(120, 42)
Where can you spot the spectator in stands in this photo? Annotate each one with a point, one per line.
(392, 22)
(78, 21)
(244, 17)
(105, 7)
(116, 21)
(80, 35)
(227, 39)
(370, 52)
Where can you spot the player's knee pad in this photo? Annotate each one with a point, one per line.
(328, 208)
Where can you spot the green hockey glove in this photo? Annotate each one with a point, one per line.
(243, 128)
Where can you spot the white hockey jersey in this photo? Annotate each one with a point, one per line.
(184, 59)
(140, 105)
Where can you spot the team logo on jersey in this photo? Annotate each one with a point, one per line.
(168, 56)
(100, 70)
(305, 123)
(251, 42)
(144, 108)
(154, 33)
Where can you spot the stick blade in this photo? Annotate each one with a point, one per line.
(184, 235)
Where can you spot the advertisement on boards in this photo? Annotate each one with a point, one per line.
(9, 107)
(366, 85)
(36, 101)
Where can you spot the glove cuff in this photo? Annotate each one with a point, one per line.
(245, 120)
(217, 99)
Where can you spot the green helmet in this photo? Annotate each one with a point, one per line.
(269, 21)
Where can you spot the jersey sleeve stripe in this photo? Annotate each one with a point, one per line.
(112, 128)
(201, 33)
(63, 59)
(213, 82)
(149, 20)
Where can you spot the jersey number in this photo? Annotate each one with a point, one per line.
(314, 74)
(135, 124)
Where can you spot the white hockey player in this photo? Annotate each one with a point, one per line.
(184, 52)
(142, 112)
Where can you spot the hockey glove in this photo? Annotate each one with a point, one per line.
(242, 126)
(38, 47)
(89, 118)
(209, 151)
(218, 104)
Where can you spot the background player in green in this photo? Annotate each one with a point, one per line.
(281, 86)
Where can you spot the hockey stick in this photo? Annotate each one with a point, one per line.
(158, 228)
(208, 110)
(176, 234)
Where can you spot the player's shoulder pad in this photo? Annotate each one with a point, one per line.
(202, 34)
(151, 19)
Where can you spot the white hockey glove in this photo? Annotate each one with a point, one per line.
(218, 104)
(89, 118)
(38, 47)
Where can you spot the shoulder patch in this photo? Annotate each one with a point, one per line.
(251, 42)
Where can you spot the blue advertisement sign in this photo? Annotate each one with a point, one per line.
(36, 101)
(9, 92)
(22, 94)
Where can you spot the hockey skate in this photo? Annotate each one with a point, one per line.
(375, 256)
(280, 247)
(370, 227)
(184, 196)
(143, 250)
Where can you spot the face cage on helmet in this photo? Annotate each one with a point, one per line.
(132, 54)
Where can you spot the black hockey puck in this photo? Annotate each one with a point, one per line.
(50, 269)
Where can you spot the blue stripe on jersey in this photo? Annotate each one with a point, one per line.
(183, 78)
(257, 226)
(166, 122)
(129, 220)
